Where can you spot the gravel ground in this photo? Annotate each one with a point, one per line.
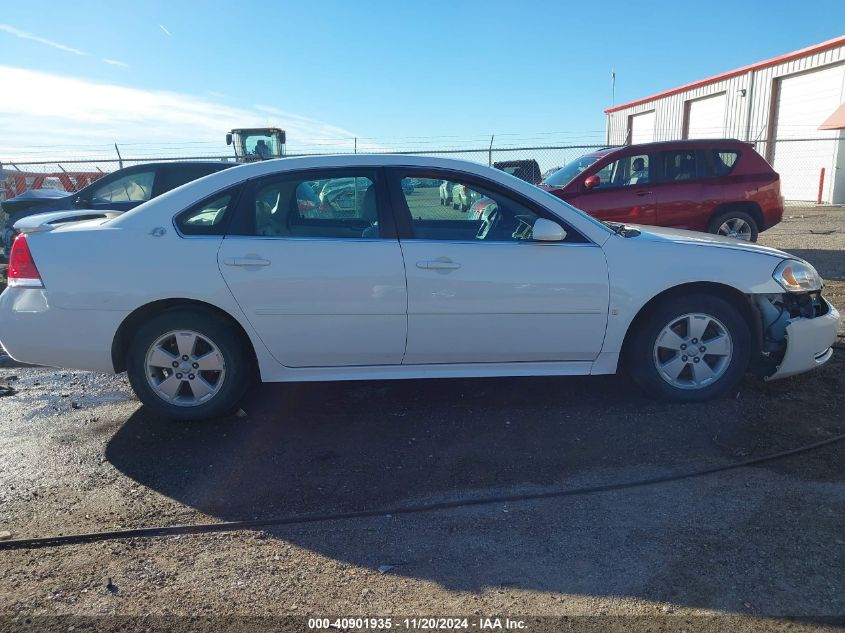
(759, 548)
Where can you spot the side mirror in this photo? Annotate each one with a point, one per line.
(228, 138)
(79, 202)
(547, 231)
(591, 182)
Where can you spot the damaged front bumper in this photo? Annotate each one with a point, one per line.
(798, 332)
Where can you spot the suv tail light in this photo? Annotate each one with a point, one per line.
(22, 270)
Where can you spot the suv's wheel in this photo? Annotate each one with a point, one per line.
(188, 364)
(736, 224)
(690, 348)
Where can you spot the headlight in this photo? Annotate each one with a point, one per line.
(797, 276)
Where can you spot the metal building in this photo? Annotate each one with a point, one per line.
(778, 104)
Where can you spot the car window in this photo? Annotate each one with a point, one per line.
(458, 211)
(723, 161)
(135, 187)
(343, 205)
(680, 165)
(628, 171)
(206, 218)
(562, 176)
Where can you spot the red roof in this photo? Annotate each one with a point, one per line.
(837, 41)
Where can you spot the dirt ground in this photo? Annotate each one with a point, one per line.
(760, 548)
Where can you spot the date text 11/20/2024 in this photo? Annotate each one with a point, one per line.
(420, 623)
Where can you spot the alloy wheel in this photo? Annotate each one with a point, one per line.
(736, 228)
(693, 351)
(185, 368)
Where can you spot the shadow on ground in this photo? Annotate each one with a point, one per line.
(333, 447)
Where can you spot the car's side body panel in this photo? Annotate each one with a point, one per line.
(640, 272)
(79, 265)
(321, 302)
(504, 301)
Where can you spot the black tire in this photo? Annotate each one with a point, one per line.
(720, 219)
(236, 380)
(640, 349)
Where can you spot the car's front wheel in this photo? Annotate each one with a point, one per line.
(188, 364)
(690, 348)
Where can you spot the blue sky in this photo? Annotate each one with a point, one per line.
(384, 70)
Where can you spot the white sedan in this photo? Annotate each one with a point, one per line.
(198, 292)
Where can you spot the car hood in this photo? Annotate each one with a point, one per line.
(680, 236)
(37, 201)
(40, 194)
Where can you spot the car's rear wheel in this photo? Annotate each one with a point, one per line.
(188, 364)
(690, 348)
(737, 224)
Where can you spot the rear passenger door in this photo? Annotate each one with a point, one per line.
(313, 261)
(686, 194)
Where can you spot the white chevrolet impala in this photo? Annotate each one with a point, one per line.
(332, 268)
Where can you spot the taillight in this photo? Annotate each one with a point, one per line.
(22, 270)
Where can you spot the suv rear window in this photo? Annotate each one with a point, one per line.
(723, 161)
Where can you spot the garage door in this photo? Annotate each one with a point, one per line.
(706, 117)
(804, 102)
(642, 127)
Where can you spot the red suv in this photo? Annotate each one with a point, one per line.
(718, 186)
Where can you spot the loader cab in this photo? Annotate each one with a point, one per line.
(253, 144)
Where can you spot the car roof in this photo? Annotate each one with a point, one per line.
(212, 165)
(681, 143)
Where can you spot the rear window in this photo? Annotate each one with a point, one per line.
(208, 217)
(723, 161)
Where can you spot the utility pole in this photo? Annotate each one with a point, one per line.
(612, 87)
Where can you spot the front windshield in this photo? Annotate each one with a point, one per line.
(565, 175)
(263, 145)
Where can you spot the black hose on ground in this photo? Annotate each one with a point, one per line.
(232, 526)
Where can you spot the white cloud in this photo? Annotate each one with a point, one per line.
(115, 62)
(50, 116)
(11, 30)
(164, 30)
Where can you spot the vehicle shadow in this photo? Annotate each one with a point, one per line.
(336, 447)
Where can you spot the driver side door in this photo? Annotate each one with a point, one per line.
(625, 192)
(480, 290)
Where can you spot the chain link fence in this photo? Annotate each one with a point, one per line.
(812, 170)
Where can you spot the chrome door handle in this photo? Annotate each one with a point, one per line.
(246, 262)
(642, 193)
(437, 264)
